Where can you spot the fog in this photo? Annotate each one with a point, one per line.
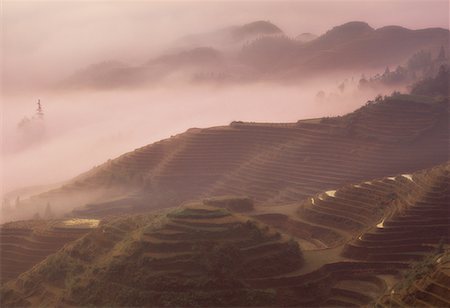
(84, 129)
(44, 42)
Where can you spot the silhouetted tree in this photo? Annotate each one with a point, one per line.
(438, 85)
(420, 60)
(363, 81)
(39, 111)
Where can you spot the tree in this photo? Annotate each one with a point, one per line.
(363, 81)
(39, 111)
(420, 60)
(438, 85)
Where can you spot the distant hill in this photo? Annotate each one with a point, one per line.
(352, 46)
(260, 50)
(344, 33)
(196, 56)
(256, 28)
(106, 75)
(229, 36)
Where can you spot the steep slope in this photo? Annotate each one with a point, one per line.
(24, 244)
(371, 234)
(200, 255)
(271, 163)
(426, 284)
(196, 255)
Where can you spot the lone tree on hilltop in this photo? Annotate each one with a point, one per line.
(39, 110)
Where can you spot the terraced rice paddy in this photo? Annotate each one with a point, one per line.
(347, 259)
(275, 163)
(193, 250)
(25, 244)
(346, 190)
(432, 289)
(415, 221)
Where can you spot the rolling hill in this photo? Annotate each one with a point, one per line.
(24, 244)
(197, 254)
(271, 163)
(260, 51)
(361, 247)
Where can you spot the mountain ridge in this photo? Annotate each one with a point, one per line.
(271, 55)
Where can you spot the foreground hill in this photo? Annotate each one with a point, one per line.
(427, 284)
(271, 163)
(24, 244)
(197, 255)
(371, 238)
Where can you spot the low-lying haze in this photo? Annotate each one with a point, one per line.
(87, 128)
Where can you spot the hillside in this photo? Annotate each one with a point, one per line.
(427, 284)
(196, 255)
(357, 244)
(271, 163)
(25, 243)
